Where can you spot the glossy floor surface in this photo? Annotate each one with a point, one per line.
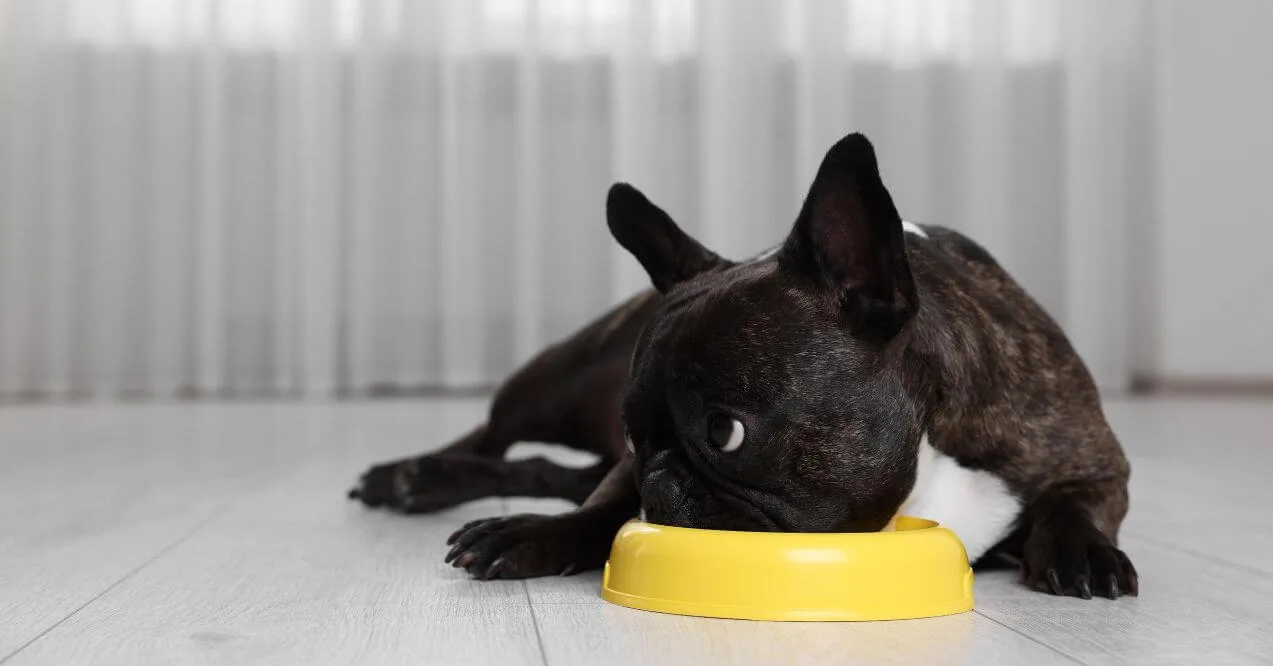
(220, 534)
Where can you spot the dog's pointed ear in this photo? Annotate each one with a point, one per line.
(668, 254)
(848, 240)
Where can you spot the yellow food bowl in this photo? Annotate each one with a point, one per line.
(918, 569)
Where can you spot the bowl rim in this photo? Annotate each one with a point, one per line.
(904, 525)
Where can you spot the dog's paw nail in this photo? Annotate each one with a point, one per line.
(463, 561)
(1111, 589)
(496, 567)
(569, 570)
(1084, 590)
(402, 486)
(454, 552)
(355, 492)
(1054, 582)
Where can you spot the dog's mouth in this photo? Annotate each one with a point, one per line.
(723, 510)
(753, 512)
(694, 496)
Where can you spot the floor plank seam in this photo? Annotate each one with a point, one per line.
(149, 561)
(1030, 638)
(534, 621)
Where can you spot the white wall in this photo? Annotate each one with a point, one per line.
(1212, 262)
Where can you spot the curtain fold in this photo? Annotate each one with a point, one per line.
(209, 197)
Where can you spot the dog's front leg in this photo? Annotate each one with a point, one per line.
(531, 545)
(1070, 548)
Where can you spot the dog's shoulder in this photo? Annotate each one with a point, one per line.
(950, 242)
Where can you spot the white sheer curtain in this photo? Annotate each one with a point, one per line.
(317, 196)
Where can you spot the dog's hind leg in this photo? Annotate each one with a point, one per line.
(437, 481)
(570, 395)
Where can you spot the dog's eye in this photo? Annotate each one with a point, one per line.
(725, 433)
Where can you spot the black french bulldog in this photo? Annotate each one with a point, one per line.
(866, 367)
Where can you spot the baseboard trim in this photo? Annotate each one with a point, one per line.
(1203, 386)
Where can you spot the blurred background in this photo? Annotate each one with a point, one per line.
(210, 198)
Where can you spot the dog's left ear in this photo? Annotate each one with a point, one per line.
(668, 254)
(848, 240)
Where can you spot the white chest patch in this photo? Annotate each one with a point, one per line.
(911, 227)
(974, 504)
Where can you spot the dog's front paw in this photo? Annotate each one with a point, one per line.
(1075, 559)
(425, 484)
(527, 546)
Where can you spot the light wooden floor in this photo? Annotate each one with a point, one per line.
(221, 534)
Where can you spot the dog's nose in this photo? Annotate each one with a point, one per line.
(661, 495)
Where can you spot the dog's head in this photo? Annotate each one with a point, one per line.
(770, 395)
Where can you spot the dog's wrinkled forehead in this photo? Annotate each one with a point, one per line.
(737, 332)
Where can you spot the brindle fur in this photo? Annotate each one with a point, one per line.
(992, 380)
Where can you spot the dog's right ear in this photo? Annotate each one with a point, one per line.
(669, 255)
(848, 239)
